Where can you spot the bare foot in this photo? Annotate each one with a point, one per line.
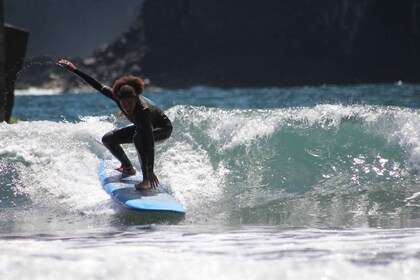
(145, 185)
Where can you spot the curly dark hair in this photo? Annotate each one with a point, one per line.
(127, 86)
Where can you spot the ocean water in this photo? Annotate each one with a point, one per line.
(279, 183)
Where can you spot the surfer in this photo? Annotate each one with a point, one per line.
(150, 124)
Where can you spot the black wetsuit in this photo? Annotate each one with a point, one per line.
(150, 125)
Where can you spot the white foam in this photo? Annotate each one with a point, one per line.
(228, 128)
(38, 91)
(406, 132)
(238, 128)
(61, 161)
(240, 254)
(191, 175)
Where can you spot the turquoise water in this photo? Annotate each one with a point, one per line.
(293, 183)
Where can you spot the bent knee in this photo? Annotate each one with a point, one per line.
(165, 134)
(107, 139)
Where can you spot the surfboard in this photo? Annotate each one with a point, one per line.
(122, 190)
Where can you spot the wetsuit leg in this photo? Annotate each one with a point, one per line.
(140, 142)
(113, 140)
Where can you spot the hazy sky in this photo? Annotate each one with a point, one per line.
(70, 28)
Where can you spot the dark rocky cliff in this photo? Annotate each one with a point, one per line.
(272, 42)
(266, 43)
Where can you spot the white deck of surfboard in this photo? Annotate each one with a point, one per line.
(122, 190)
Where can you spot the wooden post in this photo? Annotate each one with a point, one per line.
(2, 66)
(15, 47)
(13, 43)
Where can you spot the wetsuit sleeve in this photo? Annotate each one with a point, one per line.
(94, 83)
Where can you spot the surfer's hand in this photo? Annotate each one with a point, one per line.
(67, 65)
(153, 180)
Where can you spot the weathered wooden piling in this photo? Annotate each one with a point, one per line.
(13, 42)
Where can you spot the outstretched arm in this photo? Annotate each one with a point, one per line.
(91, 81)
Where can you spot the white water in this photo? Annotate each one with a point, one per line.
(38, 91)
(209, 253)
(55, 166)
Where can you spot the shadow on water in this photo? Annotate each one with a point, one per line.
(130, 217)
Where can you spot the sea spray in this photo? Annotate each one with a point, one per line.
(40, 72)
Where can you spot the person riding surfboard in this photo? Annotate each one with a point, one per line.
(150, 124)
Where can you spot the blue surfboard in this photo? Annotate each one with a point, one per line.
(122, 190)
